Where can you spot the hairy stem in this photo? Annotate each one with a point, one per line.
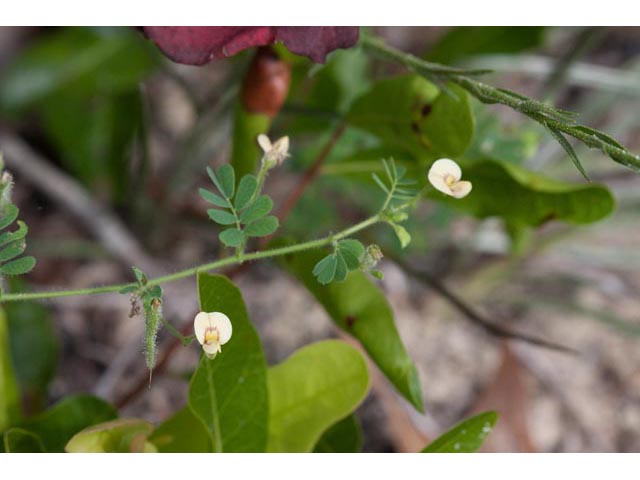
(225, 262)
(540, 112)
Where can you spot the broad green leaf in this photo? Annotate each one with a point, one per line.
(311, 390)
(325, 269)
(258, 209)
(343, 437)
(213, 198)
(341, 268)
(246, 189)
(262, 226)
(227, 178)
(352, 252)
(9, 395)
(18, 440)
(57, 425)
(84, 60)
(8, 216)
(181, 433)
(18, 267)
(232, 237)
(360, 309)
(509, 143)
(229, 393)
(411, 114)
(125, 435)
(526, 198)
(466, 437)
(34, 350)
(245, 152)
(462, 42)
(221, 216)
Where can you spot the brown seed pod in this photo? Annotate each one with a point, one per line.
(266, 84)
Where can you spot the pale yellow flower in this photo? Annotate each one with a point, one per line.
(274, 153)
(445, 175)
(212, 331)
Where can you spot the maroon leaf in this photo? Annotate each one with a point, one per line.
(200, 45)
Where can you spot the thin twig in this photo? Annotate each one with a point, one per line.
(473, 316)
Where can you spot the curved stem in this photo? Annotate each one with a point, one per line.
(275, 252)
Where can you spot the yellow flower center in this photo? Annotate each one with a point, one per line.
(449, 180)
(211, 335)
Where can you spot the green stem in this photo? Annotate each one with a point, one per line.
(176, 333)
(225, 262)
(536, 110)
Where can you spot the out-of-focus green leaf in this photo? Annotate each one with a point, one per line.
(18, 440)
(9, 395)
(461, 42)
(125, 435)
(34, 350)
(493, 139)
(181, 433)
(526, 198)
(466, 437)
(94, 134)
(360, 309)
(82, 60)
(229, 393)
(343, 437)
(245, 150)
(57, 425)
(329, 90)
(311, 390)
(410, 113)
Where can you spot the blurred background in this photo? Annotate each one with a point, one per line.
(108, 140)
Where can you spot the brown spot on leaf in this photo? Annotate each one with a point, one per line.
(350, 321)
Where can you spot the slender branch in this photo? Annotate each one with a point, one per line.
(275, 252)
(475, 317)
(549, 116)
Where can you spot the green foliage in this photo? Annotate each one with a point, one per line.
(9, 395)
(497, 186)
(411, 114)
(466, 437)
(125, 435)
(57, 425)
(13, 245)
(181, 433)
(360, 309)
(513, 144)
(83, 84)
(228, 395)
(311, 390)
(34, 350)
(345, 258)
(462, 42)
(248, 211)
(18, 440)
(343, 437)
